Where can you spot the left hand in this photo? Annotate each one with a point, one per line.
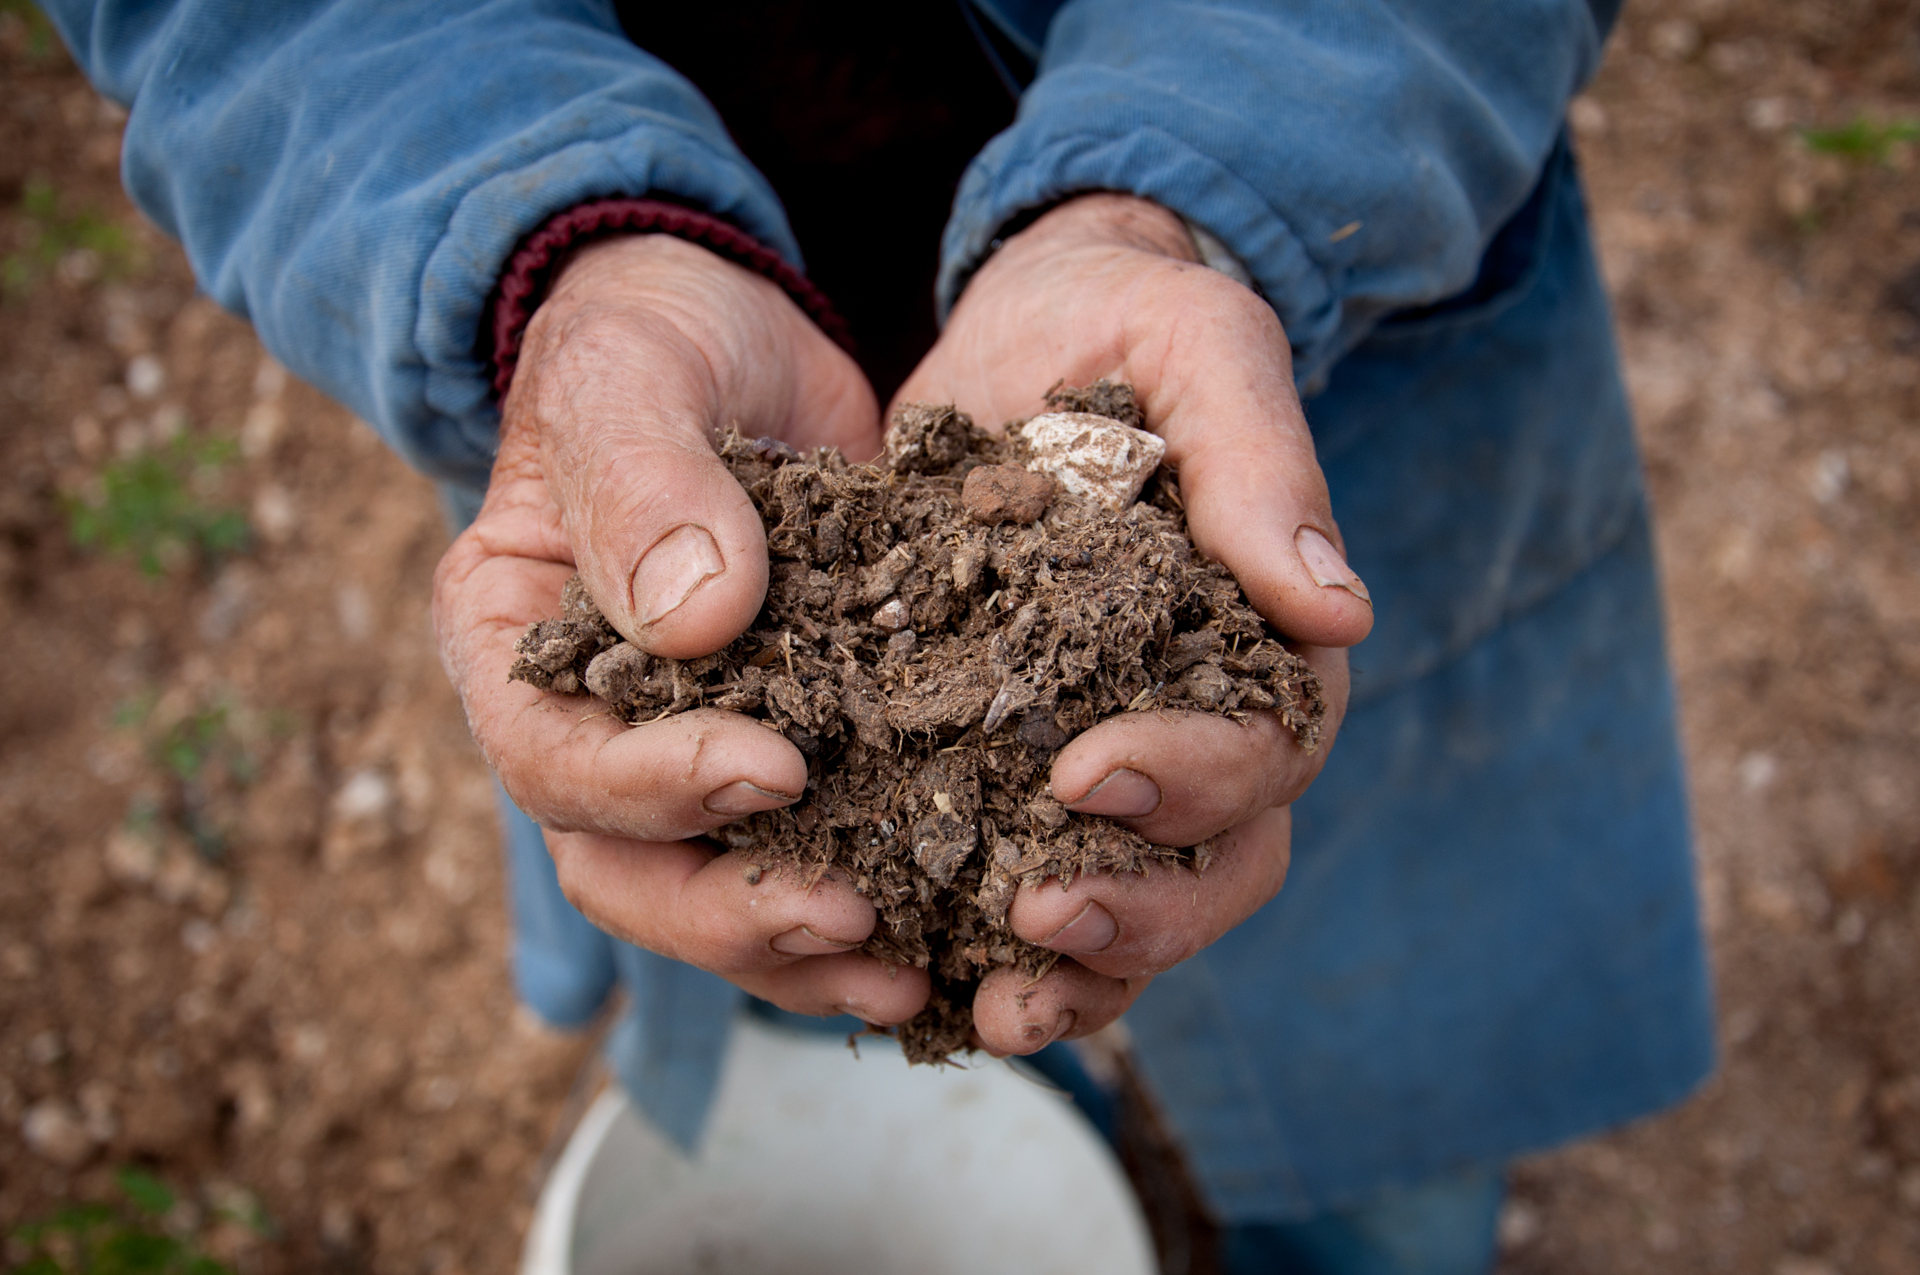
(1110, 286)
(645, 348)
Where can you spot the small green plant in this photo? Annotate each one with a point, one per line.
(128, 1239)
(191, 744)
(36, 33)
(154, 506)
(1863, 141)
(51, 233)
(204, 749)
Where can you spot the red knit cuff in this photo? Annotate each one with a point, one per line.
(523, 284)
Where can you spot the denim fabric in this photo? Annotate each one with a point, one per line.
(1356, 157)
(1444, 1226)
(667, 1044)
(352, 174)
(1488, 941)
(563, 965)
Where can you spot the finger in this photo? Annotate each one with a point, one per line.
(669, 545)
(1219, 389)
(690, 902)
(784, 940)
(682, 776)
(1178, 778)
(872, 990)
(563, 759)
(1128, 926)
(1013, 1015)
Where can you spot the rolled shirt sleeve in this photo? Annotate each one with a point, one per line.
(1356, 157)
(353, 175)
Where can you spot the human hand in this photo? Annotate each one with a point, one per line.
(645, 348)
(1110, 286)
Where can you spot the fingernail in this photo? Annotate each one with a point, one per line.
(1125, 794)
(1036, 1034)
(744, 798)
(1093, 930)
(802, 941)
(670, 572)
(1324, 563)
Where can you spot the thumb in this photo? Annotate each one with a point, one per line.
(673, 548)
(1256, 499)
(668, 543)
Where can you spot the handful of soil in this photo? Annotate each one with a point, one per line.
(937, 626)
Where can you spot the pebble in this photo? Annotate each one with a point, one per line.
(354, 609)
(55, 1131)
(146, 376)
(1519, 1224)
(274, 513)
(1675, 40)
(367, 794)
(1093, 457)
(994, 494)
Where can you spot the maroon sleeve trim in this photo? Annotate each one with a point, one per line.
(523, 284)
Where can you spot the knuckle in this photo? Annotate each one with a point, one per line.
(528, 787)
(1151, 955)
(574, 878)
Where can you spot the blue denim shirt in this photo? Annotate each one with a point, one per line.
(1489, 940)
(352, 175)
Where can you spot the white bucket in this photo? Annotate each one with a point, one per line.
(818, 1163)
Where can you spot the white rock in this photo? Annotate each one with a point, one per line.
(355, 611)
(1676, 39)
(261, 428)
(1093, 457)
(54, 1130)
(146, 376)
(1519, 1225)
(367, 794)
(1758, 771)
(1767, 114)
(132, 857)
(1828, 481)
(269, 379)
(274, 513)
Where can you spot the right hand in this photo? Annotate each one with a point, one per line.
(645, 349)
(1108, 285)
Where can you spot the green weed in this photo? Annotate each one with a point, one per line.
(1863, 141)
(189, 745)
(155, 506)
(204, 749)
(51, 233)
(37, 38)
(128, 1239)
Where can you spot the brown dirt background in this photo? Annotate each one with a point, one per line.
(324, 1020)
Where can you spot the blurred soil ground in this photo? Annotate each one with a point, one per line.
(251, 928)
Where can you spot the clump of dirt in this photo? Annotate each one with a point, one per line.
(937, 626)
